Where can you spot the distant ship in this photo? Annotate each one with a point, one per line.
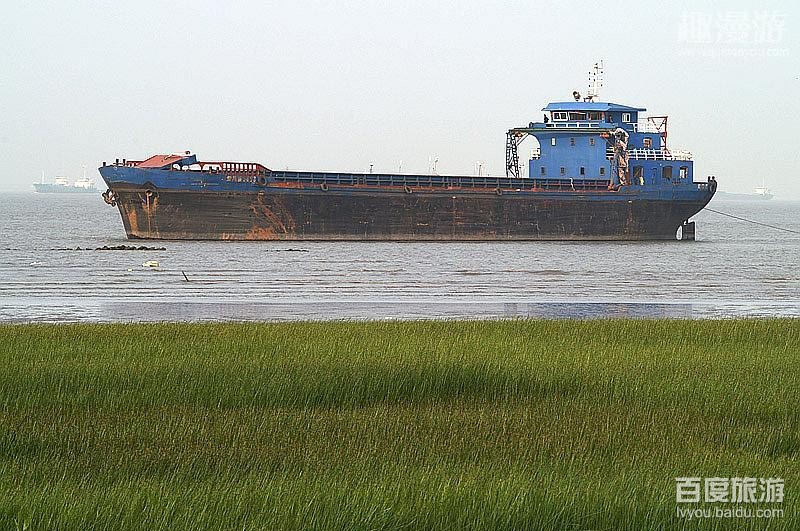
(761, 193)
(62, 186)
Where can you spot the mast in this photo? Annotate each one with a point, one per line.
(595, 81)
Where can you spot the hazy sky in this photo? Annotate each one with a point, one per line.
(340, 85)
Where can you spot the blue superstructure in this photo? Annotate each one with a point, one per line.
(582, 140)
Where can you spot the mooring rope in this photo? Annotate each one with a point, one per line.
(751, 221)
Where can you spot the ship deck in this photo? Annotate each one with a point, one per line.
(433, 181)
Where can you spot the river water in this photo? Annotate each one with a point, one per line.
(734, 269)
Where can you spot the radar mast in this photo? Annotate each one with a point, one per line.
(595, 81)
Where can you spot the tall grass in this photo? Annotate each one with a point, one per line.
(391, 425)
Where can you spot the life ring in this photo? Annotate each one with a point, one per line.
(498, 191)
(407, 189)
(324, 187)
(262, 180)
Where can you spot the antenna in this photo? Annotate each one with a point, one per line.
(433, 162)
(595, 81)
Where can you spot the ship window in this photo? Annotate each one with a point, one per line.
(638, 175)
(594, 115)
(626, 117)
(542, 171)
(577, 116)
(572, 141)
(666, 172)
(583, 170)
(684, 172)
(563, 170)
(591, 141)
(602, 171)
(647, 143)
(553, 141)
(559, 116)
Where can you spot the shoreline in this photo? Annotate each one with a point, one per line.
(34, 310)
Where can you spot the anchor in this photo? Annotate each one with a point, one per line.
(110, 197)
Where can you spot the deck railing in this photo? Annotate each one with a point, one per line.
(659, 154)
(438, 181)
(125, 162)
(235, 168)
(645, 126)
(573, 125)
(246, 168)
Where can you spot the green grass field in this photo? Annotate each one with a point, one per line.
(392, 425)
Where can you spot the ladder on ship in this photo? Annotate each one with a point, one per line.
(514, 138)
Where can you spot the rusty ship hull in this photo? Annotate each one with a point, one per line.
(294, 211)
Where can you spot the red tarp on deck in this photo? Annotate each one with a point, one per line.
(159, 161)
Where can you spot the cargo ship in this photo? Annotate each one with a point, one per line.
(757, 195)
(599, 171)
(63, 186)
(761, 193)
